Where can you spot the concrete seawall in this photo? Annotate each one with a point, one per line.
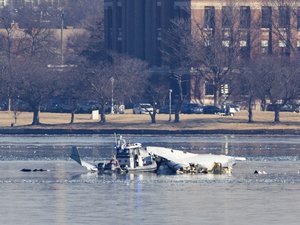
(24, 131)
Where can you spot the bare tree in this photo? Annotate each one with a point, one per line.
(283, 20)
(177, 40)
(281, 82)
(122, 78)
(9, 38)
(246, 83)
(3, 82)
(33, 84)
(26, 49)
(95, 51)
(157, 88)
(72, 87)
(80, 13)
(222, 42)
(131, 76)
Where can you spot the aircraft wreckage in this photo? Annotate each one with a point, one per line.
(133, 157)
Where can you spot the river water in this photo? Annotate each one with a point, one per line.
(66, 194)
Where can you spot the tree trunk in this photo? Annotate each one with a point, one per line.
(276, 114)
(153, 116)
(176, 119)
(250, 111)
(177, 111)
(73, 110)
(72, 117)
(102, 115)
(36, 116)
(180, 100)
(216, 95)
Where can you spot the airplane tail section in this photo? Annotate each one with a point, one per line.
(76, 157)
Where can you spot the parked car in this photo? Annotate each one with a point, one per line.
(165, 109)
(142, 108)
(289, 108)
(211, 109)
(284, 108)
(190, 108)
(230, 109)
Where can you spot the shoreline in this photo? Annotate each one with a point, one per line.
(128, 123)
(43, 131)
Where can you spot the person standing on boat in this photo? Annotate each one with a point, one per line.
(136, 160)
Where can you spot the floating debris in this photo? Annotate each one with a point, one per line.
(33, 170)
(260, 172)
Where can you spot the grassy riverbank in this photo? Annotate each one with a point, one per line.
(189, 123)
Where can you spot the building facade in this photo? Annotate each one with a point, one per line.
(135, 27)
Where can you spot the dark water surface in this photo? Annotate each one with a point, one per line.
(67, 195)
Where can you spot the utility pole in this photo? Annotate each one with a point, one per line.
(112, 94)
(170, 104)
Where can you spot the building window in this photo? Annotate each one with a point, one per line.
(226, 43)
(266, 17)
(284, 17)
(298, 47)
(226, 16)
(244, 49)
(264, 46)
(282, 44)
(158, 16)
(158, 53)
(209, 88)
(245, 17)
(245, 52)
(284, 49)
(109, 19)
(119, 28)
(243, 43)
(158, 21)
(209, 17)
(119, 16)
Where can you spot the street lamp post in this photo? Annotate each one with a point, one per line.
(170, 104)
(112, 95)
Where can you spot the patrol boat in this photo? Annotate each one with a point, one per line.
(128, 157)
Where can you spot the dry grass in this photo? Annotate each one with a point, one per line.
(263, 120)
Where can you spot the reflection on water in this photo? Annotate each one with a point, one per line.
(67, 195)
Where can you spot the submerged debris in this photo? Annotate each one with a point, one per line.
(33, 170)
